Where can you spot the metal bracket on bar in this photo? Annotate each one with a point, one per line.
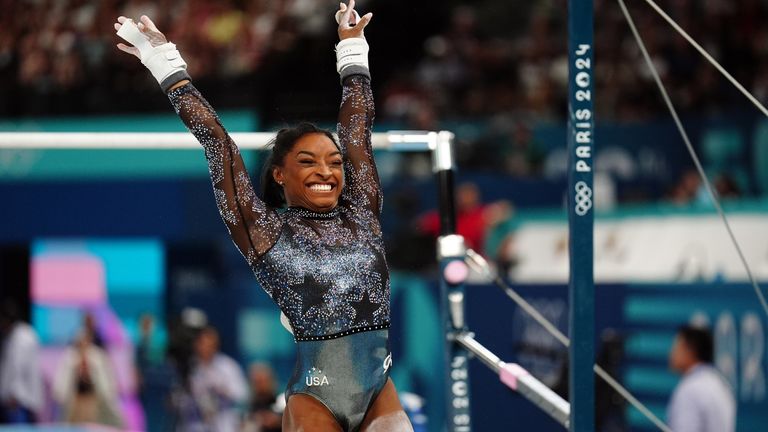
(451, 246)
(442, 152)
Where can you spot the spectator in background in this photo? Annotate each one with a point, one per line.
(84, 384)
(144, 344)
(217, 385)
(473, 218)
(21, 386)
(157, 378)
(691, 190)
(726, 186)
(90, 326)
(703, 401)
(263, 415)
(610, 407)
(409, 247)
(687, 189)
(507, 147)
(522, 155)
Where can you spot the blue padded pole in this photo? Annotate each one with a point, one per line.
(581, 215)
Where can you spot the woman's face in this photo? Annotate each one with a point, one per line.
(312, 173)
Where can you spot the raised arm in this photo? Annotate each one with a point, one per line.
(356, 112)
(254, 227)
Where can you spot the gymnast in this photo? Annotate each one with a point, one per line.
(313, 238)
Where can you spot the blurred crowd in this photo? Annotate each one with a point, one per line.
(484, 58)
(191, 387)
(194, 386)
(500, 64)
(59, 56)
(485, 65)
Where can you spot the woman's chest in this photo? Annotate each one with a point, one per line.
(326, 253)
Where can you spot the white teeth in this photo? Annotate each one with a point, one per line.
(321, 187)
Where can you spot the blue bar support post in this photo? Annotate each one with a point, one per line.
(581, 214)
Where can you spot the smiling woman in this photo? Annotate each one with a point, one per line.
(305, 169)
(321, 259)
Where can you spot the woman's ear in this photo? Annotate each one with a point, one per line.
(277, 174)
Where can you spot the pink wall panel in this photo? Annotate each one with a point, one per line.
(67, 280)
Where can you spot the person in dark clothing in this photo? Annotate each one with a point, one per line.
(321, 259)
(263, 415)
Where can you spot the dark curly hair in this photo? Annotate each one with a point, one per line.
(281, 145)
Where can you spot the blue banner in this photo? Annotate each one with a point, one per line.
(580, 214)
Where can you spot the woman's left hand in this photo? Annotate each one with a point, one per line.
(349, 26)
(147, 28)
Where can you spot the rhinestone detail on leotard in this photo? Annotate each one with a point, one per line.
(326, 271)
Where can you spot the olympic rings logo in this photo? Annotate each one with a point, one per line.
(583, 198)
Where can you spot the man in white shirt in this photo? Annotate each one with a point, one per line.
(21, 385)
(703, 401)
(218, 386)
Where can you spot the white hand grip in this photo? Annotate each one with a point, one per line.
(340, 13)
(131, 34)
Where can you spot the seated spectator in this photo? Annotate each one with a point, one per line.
(90, 326)
(263, 415)
(21, 386)
(217, 386)
(84, 385)
(687, 190)
(473, 218)
(157, 378)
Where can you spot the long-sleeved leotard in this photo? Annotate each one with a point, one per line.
(326, 271)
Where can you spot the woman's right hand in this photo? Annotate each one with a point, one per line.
(147, 28)
(150, 46)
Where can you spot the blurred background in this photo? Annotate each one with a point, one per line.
(121, 254)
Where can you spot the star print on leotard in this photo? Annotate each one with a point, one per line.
(312, 295)
(365, 310)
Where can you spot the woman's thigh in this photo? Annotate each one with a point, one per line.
(304, 413)
(386, 414)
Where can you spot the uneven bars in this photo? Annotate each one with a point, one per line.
(518, 379)
(394, 140)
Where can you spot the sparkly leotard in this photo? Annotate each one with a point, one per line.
(326, 271)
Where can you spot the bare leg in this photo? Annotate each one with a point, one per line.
(304, 413)
(386, 414)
